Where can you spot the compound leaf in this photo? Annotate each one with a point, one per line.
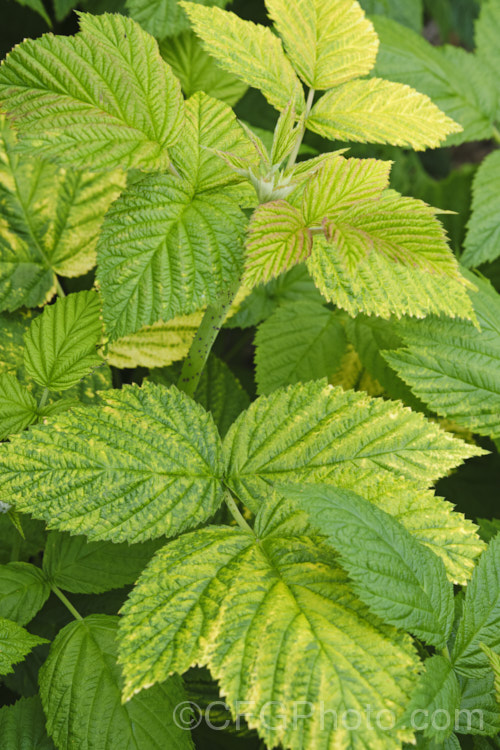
(18, 408)
(481, 616)
(23, 591)
(298, 342)
(399, 579)
(80, 685)
(103, 97)
(249, 51)
(81, 567)
(142, 464)
(311, 432)
(379, 111)
(327, 42)
(22, 726)
(278, 239)
(15, 644)
(456, 81)
(49, 221)
(482, 243)
(265, 616)
(166, 250)
(60, 345)
(452, 367)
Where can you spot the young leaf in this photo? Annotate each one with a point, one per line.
(80, 685)
(278, 239)
(210, 126)
(251, 52)
(278, 626)
(482, 243)
(327, 42)
(81, 567)
(197, 71)
(22, 726)
(311, 432)
(298, 342)
(23, 591)
(379, 111)
(146, 462)
(163, 18)
(18, 408)
(452, 367)
(437, 694)
(50, 219)
(456, 81)
(481, 616)
(166, 250)
(400, 580)
(15, 644)
(60, 345)
(103, 97)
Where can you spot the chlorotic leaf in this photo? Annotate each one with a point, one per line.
(266, 616)
(327, 42)
(164, 18)
(248, 51)
(18, 408)
(22, 726)
(434, 522)
(399, 579)
(379, 111)
(311, 432)
(49, 221)
(23, 591)
(278, 239)
(80, 685)
(197, 71)
(482, 243)
(218, 391)
(81, 567)
(210, 126)
(15, 644)
(142, 464)
(435, 700)
(452, 367)
(157, 345)
(298, 342)
(458, 82)
(103, 97)
(340, 184)
(166, 250)
(481, 615)
(60, 345)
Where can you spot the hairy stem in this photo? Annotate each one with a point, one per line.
(44, 398)
(236, 513)
(66, 603)
(293, 156)
(202, 344)
(59, 289)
